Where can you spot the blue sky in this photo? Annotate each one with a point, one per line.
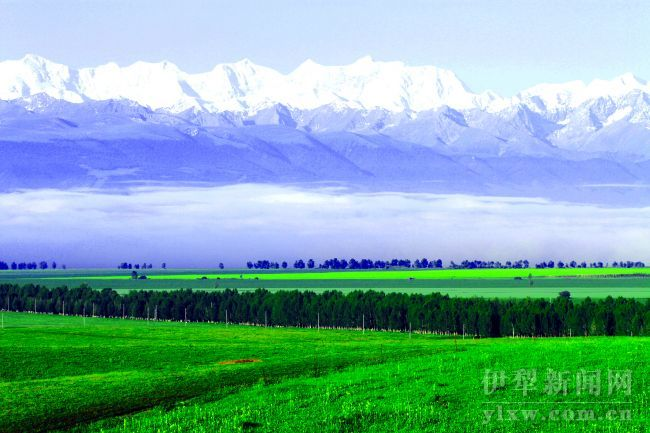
(500, 45)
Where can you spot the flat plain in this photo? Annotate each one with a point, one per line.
(491, 283)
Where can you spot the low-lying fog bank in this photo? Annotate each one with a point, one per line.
(203, 226)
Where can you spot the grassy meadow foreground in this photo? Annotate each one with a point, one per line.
(112, 375)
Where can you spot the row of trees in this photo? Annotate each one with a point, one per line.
(422, 263)
(481, 264)
(371, 310)
(353, 263)
(126, 265)
(573, 264)
(425, 263)
(24, 266)
(266, 264)
(524, 264)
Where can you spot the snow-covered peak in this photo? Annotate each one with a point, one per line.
(34, 60)
(559, 98)
(370, 84)
(155, 85)
(32, 75)
(364, 60)
(242, 86)
(617, 87)
(629, 79)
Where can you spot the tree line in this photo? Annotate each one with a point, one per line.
(28, 266)
(357, 309)
(126, 265)
(145, 265)
(573, 264)
(352, 263)
(425, 263)
(336, 263)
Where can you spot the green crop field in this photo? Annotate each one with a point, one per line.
(113, 375)
(318, 274)
(427, 274)
(514, 283)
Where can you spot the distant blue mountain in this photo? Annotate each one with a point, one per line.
(48, 143)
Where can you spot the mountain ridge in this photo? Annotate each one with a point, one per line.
(246, 87)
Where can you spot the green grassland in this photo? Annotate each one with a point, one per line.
(515, 283)
(112, 375)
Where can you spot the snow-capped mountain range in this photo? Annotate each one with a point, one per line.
(244, 86)
(375, 123)
(249, 88)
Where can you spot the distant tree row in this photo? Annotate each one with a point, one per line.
(370, 310)
(352, 263)
(265, 264)
(425, 263)
(422, 263)
(574, 264)
(125, 265)
(628, 264)
(482, 264)
(525, 264)
(25, 266)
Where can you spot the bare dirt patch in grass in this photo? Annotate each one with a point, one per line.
(240, 361)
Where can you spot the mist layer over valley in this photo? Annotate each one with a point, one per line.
(199, 226)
